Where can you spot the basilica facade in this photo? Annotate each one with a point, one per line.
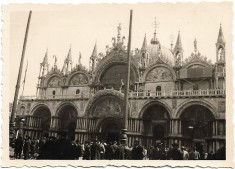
(172, 97)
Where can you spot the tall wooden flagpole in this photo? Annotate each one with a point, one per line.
(126, 94)
(12, 120)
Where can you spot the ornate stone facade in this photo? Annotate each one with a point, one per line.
(166, 101)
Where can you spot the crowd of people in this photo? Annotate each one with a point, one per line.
(64, 149)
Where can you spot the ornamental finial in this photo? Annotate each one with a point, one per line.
(195, 45)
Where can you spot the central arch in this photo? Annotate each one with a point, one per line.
(67, 114)
(110, 129)
(156, 123)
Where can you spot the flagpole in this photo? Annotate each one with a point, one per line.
(12, 120)
(24, 78)
(126, 102)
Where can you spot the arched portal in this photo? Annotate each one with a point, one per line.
(110, 130)
(197, 127)
(68, 120)
(156, 125)
(44, 114)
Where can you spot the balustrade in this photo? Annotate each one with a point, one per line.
(31, 121)
(142, 94)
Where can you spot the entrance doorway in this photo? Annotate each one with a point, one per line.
(68, 118)
(112, 136)
(110, 131)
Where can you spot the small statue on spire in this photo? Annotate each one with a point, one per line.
(195, 46)
(119, 41)
(55, 63)
(79, 59)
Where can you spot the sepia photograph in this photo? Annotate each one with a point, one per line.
(104, 84)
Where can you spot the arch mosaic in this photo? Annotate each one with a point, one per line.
(54, 81)
(159, 72)
(107, 100)
(114, 57)
(78, 78)
(196, 64)
(182, 107)
(155, 102)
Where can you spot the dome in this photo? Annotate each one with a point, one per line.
(156, 51)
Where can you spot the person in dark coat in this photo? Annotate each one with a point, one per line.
(87, 151)
(157, 153)
(26, 148)
(78, 149)
(174, 153)
(33, 149)
(95, 151)
(18, 147)
(48, 150)
(137, 152)
(108, 151)
(211, 156)
(64, 148)
(120, 151)
(114, 148)
(221, 154)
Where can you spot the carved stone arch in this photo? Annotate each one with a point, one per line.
(103, 121)
(53, 80)
(92, 102)
(157, 65)
(114, 57)
(189, 103)
(43, 112)
(155, 102)
(197, 63)
(67, 103)
(87, 78)
(32, 110)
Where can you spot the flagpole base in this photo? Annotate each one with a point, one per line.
(123, 138)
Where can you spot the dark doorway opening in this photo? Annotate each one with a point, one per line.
(68, 118)
(158, 132)
(110, 131)
(112, 136)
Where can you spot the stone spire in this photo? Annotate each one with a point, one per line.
(94, 53)
(93, 58)
(220, 46)
(68, 62)
(178, 45)
(220, 36)
(178, 52)
(144, 46)
(44, 64)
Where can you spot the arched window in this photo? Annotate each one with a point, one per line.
(77, 91)
(158, 90)
(53, 93)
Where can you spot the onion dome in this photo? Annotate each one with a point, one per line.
(157, 52)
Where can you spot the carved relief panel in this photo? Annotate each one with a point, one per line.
(159, 74)
(78, 79)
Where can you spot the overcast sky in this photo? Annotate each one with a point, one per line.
(56, 27)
